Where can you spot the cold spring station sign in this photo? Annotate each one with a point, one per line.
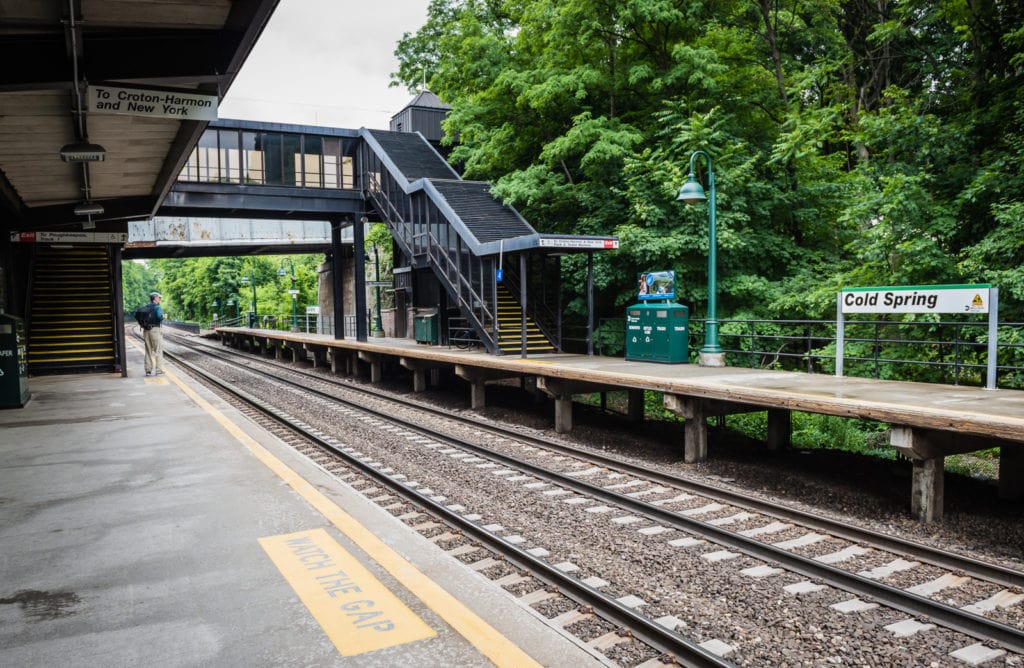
(981, 298)
(916, 299)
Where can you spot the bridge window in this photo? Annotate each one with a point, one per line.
(271, 158)
(204, 163)
(338, 170)
(253, 170)
(312, 161)
(230, 157)
(292, 154)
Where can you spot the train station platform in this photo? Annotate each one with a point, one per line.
(927, 422)
(143, 521)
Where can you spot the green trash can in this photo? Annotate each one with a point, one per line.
(424, 328)
(658, 333)
(13, 362)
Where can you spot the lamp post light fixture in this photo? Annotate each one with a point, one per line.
(294, 293)
(691, 192)
(231, 302)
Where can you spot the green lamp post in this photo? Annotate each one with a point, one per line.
(249, 280)
(691, 192)
(294, 294)
(378, 323)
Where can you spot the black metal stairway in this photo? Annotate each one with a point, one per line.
(71, 315)
(511, 328)
(455, 228)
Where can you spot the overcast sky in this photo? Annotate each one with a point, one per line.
(327, 63)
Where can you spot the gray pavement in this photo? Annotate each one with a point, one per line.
(130, 528)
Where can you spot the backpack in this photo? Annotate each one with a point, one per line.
(144, 316)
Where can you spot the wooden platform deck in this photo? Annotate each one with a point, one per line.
(928, 421)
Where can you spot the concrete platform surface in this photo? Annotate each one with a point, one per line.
(145, 522)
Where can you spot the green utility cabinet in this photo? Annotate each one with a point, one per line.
(658, 333)
(424, 328)
(13, 362)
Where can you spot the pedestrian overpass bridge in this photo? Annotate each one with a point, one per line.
(262, 188)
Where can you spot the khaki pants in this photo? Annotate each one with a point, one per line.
(154, 349)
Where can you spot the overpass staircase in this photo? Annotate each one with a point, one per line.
(71, 314)
(461, 233)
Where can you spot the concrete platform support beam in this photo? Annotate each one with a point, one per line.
(926, 451)
(563, 413)
(696, 412)
(695, 428)
(529, 385)
(780, 429)
(422, 373)
(635, 405)
(376, 365)
(318, 354)
(477, 378)
(298, 351)
(927, 492)
(337, 358)
(1011, 472)
(561, 391)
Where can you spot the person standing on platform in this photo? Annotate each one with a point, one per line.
(153, 337)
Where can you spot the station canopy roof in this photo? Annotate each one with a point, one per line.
(59, 53)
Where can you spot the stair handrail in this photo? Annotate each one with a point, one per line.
(440, 262)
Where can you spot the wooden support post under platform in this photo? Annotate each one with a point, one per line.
(696, 412)
(1011, 472)
(376, 363)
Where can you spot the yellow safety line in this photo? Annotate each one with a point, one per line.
(496, 647)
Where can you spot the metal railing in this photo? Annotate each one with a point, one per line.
(416, 238)
(927, 351)
(306, 323)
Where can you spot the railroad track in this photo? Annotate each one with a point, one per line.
(671, 646)
(649, 496)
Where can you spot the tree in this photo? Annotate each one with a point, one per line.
(855, 143)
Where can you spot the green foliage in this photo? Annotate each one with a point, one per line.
(137, 282)
(815, 432)
(852, 144)
(190, 286)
